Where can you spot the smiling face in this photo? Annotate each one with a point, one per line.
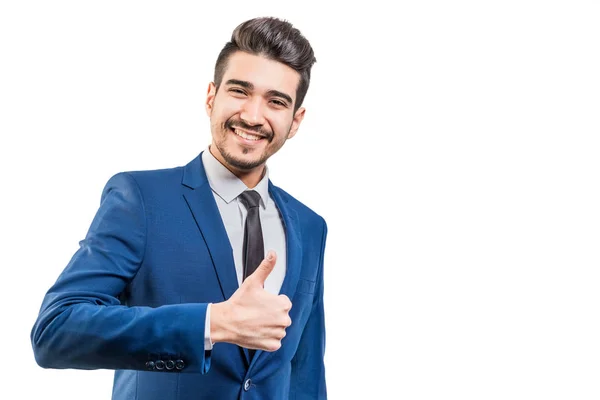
(252, 112)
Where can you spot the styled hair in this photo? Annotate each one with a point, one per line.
(275, 39)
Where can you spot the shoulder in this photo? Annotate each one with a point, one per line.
(306, 214)
(144, 186)
(146, 180)
(156, 177)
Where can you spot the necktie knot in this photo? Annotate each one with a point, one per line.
(250, 198)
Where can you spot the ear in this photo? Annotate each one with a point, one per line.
(210, 98)
(298, 117)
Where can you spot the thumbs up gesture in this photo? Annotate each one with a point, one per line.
(252, 317)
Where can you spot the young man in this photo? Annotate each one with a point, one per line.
(205, 281)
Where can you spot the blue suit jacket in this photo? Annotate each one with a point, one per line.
(133, 297)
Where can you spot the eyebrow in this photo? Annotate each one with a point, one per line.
(250, 86)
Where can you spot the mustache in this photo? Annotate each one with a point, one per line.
(231, 123)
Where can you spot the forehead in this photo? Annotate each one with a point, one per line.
(263, 73)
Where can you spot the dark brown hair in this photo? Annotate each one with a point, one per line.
(275, 39)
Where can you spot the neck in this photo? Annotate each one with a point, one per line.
(249, 177)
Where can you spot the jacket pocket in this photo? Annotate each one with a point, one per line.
(305, 286)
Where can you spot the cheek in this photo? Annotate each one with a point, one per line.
(281, 127)
(223, 110)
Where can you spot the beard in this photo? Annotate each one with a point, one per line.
(245, 164)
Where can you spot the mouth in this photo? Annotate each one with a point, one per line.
(247, 137)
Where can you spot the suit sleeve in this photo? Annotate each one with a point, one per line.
(308, 368)
(83, 325)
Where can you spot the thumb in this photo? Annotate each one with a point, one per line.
(264, 269)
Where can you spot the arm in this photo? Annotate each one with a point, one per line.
(83, 325)
(308, 367)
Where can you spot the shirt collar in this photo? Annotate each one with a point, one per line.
(228, 186)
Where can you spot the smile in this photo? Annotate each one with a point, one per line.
(246, 135)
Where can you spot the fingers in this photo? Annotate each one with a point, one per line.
(285, 302)
(274, 343)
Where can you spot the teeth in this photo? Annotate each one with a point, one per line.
(246, 135)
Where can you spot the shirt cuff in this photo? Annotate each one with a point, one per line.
(207, 342)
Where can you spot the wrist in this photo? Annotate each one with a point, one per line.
(220, 323)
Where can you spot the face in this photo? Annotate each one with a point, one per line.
(252, 113)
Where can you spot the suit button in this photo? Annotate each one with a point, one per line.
(179, 364)
(170, 364)
(160, 365)
(150, 365)
(247, 384)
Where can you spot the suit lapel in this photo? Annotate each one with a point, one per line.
(293, 249)
(293, 238)
(204, 209)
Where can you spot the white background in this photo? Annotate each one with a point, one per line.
(452, 147)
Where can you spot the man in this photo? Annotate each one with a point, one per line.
(172, 286)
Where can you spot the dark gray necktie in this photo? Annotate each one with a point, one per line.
(254, 248)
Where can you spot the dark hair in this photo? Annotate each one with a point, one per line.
(275, 39)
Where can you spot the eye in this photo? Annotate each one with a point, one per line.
(237, 91)
(279, 103)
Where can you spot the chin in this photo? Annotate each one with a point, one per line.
(242, 162)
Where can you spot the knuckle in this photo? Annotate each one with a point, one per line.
(273, 345)
(286, 302)
(284, 297)
(287, 321)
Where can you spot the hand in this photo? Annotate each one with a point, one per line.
(252, 317)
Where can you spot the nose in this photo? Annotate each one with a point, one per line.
(253, 112)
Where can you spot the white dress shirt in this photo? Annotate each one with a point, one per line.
(226, 188)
